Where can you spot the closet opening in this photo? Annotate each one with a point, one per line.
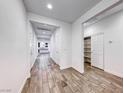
(87, 52)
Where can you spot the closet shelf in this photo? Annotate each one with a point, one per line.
(87, 57)
(88, 61)
(87, 51)
(86, 44)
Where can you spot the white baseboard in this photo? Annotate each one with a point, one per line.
(114, 73)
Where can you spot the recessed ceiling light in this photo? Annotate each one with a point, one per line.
(49, 6)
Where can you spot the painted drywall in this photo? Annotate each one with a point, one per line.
(62, 52)
(55, 46)
(14, 54)
(77, 47)
(112, 27)
(32, 42)
(77, 36)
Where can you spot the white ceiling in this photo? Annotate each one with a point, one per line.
(64, 10)
(43, 31)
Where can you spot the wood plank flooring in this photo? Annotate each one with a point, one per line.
(46, 77)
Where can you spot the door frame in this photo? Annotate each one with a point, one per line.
(91, 47)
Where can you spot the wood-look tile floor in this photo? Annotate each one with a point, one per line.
(46, 77)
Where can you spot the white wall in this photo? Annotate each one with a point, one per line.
(55, 46)
(32, 43)
(77, 36)
(14, 57)
(77, 47)
(63, 36)
(112, 27)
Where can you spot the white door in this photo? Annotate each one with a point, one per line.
(97, 44)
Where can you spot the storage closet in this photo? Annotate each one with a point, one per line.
(87, 50)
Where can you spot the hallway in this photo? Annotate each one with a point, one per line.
(46, 77)
(45, 46)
